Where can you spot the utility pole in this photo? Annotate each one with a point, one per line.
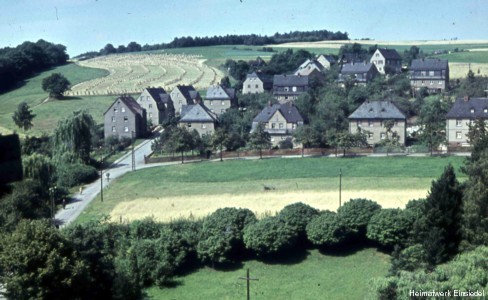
(133, 154)
(340, 187)
(101, 178)
(248, 279)
(52, 191)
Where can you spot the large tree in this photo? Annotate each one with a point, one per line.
(432, 120)
(260, 139)
(219, 139)
(180, 140)
(23, 116)
(73, 136)
(37, 262)
(56, 85)
(439, 229)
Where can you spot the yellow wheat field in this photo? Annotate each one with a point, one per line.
(460, 70)
(264, 203)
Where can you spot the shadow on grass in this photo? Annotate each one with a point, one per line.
(69, 98)
(347, 249)
(287, 258)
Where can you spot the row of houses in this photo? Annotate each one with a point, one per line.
(281, 120)
(432, 74)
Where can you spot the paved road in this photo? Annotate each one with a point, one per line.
(80, 201)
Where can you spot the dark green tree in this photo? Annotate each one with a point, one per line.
(260, 139)
(356, 214)
(219, 139)
(23, 116)
(56, 84)
(432, 120)
(181, 140)
(389, 227)
(37, 262)
(298, 215)
(327, 229)
(440, 226)
(222, 235)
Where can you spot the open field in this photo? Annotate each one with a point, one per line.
(197, 189)
(130, 73)
(315, 276)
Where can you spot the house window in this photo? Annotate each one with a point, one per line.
(257, 86)
(123, 109)
(294, 126)
(150, 115)
(188, 125)
(204, 126)
(273, 125)
(211, 102)
(431, 73)
(222, 110)
(358, 123)
(150, 105)
(459, 135)
(223, 103)
(114, 129)
(294, 88)
(459, 123)
(248, 86)
(115, 109)
(383, 136)
(441, 82)
(281, 125)
(113, 119)
(126, 129)
(370, 135)
(126, 119)
(370, 123)
(286, 89)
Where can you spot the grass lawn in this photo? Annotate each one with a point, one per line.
(47, 114)
(197, 189)
(466, 57)
(316, 276)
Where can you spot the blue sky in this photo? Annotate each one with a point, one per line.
(84, 25)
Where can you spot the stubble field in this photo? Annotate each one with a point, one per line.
(197, 189)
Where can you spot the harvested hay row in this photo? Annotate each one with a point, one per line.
(134, 72)
(170, 208)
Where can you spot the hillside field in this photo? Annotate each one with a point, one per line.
(195, 190)
(313, 276)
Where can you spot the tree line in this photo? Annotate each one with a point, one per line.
(27, 59)
(229, 39)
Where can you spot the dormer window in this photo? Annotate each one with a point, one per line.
(485, 110)
(472, 110)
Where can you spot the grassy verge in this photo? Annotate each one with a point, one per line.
(199, 188)
(313, 276)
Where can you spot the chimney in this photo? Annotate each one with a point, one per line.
(269, 103)
(466, 98)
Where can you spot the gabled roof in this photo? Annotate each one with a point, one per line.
(187, 91)
(377, 110)
(429, 64)
(155, 92)
(131, 104)
(389, 53)
(196, 113)
(354, 68)
(329, 58)
(288, 110)
(217, 92)
(290, 80)
(353, 57)
(462, 109)
(308, 67)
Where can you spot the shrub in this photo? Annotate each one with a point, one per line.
(408, 259)
(298, 215)
(222, 232)
(356, 213)
(269, 236)
(327, 230)
(146, 228)
(389, 227)
(70, 175)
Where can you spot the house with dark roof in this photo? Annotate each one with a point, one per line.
(371, 116)
(326, 61)
(387, 61)
(464, 111)
(432, 74)
(279, 120)
(198, 117)
(257, 83)
(288, 87)
(184, 95)
(219, 99)
(311, 68)
(351, 57)
(361, 73)
(157, 110)
(123, 117)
